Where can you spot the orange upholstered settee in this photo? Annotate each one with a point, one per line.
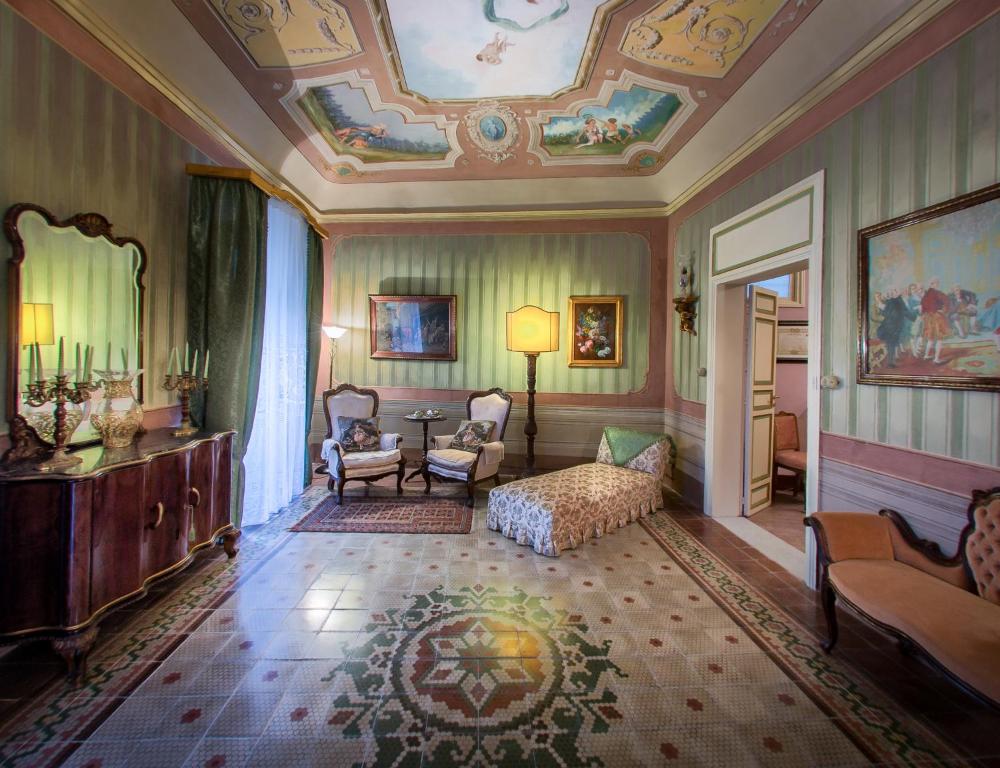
(948, 608)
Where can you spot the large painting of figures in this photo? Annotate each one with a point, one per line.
(929, 299)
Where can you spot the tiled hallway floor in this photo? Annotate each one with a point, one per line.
(371, 649)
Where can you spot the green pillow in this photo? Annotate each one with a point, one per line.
(357, 434)
(472, 434)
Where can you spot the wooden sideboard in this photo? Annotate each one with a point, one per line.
(75, 545)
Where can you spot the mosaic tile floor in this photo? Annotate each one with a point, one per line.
(638, 649)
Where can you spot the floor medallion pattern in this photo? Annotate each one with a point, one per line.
(356, 649)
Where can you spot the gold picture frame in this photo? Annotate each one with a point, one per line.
(595, 331)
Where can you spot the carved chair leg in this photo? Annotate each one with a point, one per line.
(340, 490)
(229, 542)
(74, 650)
(829, 600)
(399, 478)
(496, 480)
(470, 486)
(331, 483)
(425, 472)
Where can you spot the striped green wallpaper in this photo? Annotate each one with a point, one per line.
(71, 143)
(492, 274)
(928, 137)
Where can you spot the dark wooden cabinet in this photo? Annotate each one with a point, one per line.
(75, 545)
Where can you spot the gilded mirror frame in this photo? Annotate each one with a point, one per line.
(26, 443)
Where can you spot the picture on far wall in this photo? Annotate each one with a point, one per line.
(929, 296)
(793, 341)
(595, 328)
(413, 327)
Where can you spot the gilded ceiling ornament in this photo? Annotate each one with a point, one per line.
(492, 126)
(290, 33)
(699, 37)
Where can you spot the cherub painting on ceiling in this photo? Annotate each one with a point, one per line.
(636, 114)
(345, 118)
(491, 48)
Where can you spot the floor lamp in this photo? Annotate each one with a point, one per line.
(333, 332)
(532, 330)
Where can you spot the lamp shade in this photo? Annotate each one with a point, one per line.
(36, 324)
(334, 331)
(532, 329)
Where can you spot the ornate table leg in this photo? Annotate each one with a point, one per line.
(74, 650)
(416, 472)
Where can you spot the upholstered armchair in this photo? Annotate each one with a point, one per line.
(471, 466)
(341, 406)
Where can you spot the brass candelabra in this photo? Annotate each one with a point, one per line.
(184, 384)
(58, 390)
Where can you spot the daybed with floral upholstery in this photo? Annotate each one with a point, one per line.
(947, 607)
(560, 510)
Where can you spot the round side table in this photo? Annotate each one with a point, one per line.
(425, 420)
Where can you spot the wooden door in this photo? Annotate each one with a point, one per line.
(166, 513)
(759, 447)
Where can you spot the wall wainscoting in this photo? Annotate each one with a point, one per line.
(566, 434)
(935, 514)
(689, 434)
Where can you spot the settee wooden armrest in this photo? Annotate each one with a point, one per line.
(946, 607)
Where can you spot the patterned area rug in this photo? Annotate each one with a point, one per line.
(389, 515)
(638, 649)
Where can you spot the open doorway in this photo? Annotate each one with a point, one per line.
(780, 505)
(780, 236)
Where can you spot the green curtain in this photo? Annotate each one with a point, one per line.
(314, 332)
(227, 243)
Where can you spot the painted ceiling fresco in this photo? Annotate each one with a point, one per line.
(415, 90)
(492, 48)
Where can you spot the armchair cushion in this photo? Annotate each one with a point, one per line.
(855, 536)
(357, 434)
(472, 434)
(982, 547)
(363, 463)
(389, 441)
(791, 459)
(440, 442)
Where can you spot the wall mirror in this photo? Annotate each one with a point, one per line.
(72, 279)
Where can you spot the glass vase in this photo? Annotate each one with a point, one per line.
(118, 415)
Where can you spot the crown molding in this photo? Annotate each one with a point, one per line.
(908, 23)
(550, 214)
(99, 29)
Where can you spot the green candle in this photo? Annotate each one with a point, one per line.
(59, 364)
(88, 361)
(78, 369)
(38, 358)
(194, 370)
(208, 354)
(31, 363)
(124, 359)
(108, 366)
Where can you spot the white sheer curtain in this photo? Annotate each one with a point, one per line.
(274, 459)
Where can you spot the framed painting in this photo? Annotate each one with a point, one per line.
(929, 296)
(413, 327)
(595, 330)
(793, 341)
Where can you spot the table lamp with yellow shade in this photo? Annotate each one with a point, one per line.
(532, 330)
(36, 326)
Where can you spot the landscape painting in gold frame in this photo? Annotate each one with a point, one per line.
(595, 331)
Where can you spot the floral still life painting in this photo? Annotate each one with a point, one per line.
(596, 331)
(929, 298)
(413, 327)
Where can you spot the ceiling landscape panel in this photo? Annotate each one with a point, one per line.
(425, 90)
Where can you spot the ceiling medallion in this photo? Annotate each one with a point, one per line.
(492, 126)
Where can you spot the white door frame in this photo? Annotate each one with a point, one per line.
(782, 234)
